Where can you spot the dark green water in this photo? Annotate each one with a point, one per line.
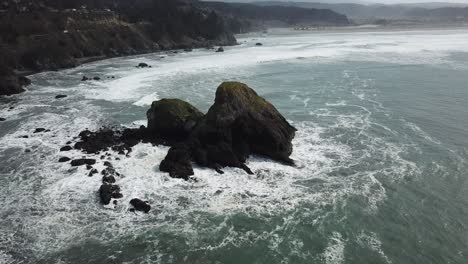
(381, 150)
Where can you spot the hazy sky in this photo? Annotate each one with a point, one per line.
(358, 1)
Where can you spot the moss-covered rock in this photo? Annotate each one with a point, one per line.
(255, 125)
(239, 123)
(172, 118)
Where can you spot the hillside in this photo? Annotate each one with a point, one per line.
(424, 12)
(44, 35)
(53, 34)
(256, 16)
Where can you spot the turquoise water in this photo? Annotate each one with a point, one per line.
(381, 150)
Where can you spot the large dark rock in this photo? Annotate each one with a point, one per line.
(240, 123)
(108, 192)
(172, 118)
(140, 205)
(178, 162)
(247, 123)
(81, 162)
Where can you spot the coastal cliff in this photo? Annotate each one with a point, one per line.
(50, 35)
(244, 17)
(54, 34)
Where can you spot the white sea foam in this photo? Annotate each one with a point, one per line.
(334, 253)
(142, 85)
(370, 240)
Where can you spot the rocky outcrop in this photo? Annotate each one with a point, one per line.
(140, 205)
(240, 123)
(244, 17)
(51, 35)
(172, 118)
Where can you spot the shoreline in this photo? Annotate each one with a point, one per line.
(358, 29)
(86, 60)
(277, 31)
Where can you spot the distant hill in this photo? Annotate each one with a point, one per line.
(270, 15)
(445, 14)
(432, 11)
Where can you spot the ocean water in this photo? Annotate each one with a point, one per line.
(381, 153)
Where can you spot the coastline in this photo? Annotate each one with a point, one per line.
(370, 28)
(24, 74)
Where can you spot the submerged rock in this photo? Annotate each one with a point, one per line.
(60, 96)
(220, 49)
(258, 44)
(84, 79)
(172, 118)
(39, 130)
(140, 205)
(2, 119)
(142, 65)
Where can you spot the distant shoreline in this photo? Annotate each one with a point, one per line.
(348, 29)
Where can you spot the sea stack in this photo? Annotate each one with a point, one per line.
(239, 123)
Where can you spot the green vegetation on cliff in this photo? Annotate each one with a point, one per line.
(53, 34)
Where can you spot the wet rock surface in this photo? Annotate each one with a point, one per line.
(107, 192)
(81, 162)
(240, 123)
(172, 118)
(64, 159)
(118, 139)
(39, 130)
(142, 65)
(66, 148)
(140, 205)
